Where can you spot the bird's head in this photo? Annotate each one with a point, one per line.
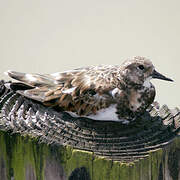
(139, 71)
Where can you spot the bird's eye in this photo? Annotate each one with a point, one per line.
(141, 67)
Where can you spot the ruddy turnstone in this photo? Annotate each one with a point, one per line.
(105, 92)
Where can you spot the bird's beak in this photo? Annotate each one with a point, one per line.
(157, 75)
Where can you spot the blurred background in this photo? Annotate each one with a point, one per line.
(42, 36)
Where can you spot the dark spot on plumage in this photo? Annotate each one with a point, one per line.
(139, 100)
(81, 112)
(20, 86)
(58, 108)
(90, 92)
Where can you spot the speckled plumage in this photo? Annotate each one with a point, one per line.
(86, 91)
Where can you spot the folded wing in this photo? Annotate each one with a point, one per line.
(82, 90)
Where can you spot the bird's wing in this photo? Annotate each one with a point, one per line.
(99, 78)
(74, 90)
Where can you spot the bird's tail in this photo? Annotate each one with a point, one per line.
(35, 80)
(34, 86)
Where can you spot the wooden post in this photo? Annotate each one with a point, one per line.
(38, 143)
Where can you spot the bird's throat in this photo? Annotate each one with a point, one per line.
(147, 82)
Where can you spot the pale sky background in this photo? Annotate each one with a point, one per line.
(43, 36)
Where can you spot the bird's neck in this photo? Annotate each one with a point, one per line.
(135, 100)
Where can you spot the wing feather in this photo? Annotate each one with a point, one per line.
(81, 90)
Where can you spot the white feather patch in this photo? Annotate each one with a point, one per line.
(69, 91)
(147, 82)
(114, 92)
(30, 77)
(106, 114)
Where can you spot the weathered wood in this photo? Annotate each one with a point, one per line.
(40, 143)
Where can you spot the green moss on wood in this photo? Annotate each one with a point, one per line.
(174, 159)
(18, 153)
(77, 159)
(156, 158)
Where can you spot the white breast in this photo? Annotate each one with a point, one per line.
(106, 114)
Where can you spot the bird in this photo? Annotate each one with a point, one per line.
(103, 92)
